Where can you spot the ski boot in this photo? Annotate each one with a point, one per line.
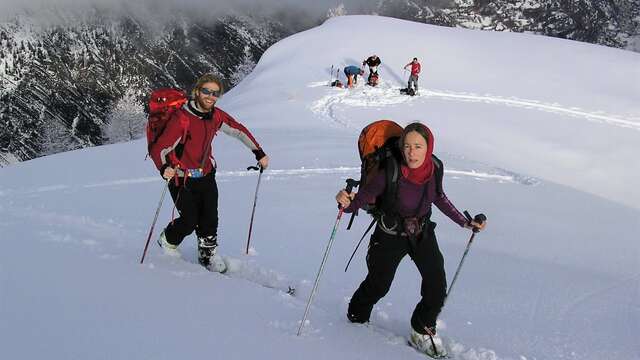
(207, 254)
(429, 343)
(169, 248)
(359, 313)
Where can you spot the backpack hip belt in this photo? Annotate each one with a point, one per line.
(410, 226)
(190, 173)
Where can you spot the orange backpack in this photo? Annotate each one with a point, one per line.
(378, 145)
(379, 149)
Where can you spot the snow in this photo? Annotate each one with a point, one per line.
(539, 134)
(8, 158)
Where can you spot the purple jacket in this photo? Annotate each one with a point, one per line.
(409, 195)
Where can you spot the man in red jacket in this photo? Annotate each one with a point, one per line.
(415, 71)
(183, 153)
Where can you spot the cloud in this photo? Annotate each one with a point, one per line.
(197, 7)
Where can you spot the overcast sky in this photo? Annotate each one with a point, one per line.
(10, 7)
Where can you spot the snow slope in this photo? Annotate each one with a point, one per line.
(539, 134)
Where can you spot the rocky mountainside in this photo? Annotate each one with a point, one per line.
(614, 23)
(64, 71)
(58, 83)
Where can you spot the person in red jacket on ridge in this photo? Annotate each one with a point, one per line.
(184, 155)
(415, 71)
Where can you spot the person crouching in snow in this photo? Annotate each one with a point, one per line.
(352, 72)
(373, 61)
(184, 156)
(404, 227)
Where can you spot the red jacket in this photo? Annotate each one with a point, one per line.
(188, 151)
(415, 68)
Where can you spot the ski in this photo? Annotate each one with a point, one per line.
(249, 271)
(394, 338)
(447, 356)
(331, 76)
(246, 270)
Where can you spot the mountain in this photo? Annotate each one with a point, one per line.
(59, 82)
(614, 23)
(67, 72)
(547, 154)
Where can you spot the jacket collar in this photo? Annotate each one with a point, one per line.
(191, 107)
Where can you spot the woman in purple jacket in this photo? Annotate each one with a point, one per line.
(405, 228)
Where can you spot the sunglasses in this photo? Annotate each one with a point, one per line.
(208, 92)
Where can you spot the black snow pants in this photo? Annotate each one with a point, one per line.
(197, 204)
(383, 258)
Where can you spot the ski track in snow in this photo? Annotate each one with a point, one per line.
(498, 175)
(250, 271)
(384, 94)
(597, 292)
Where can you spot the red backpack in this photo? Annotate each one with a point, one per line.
(373, 80)
(162, 104)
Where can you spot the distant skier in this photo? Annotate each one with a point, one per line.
(413, 78)
(183, 153)
(404, 227)
(352, 72)
(373, 62)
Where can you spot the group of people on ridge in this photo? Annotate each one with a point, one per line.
(352, 72)
(185, 161)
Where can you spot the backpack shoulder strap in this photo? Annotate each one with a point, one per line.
(184, 123)
(439, 173)
(392, 175)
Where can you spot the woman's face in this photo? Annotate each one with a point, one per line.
(414, 149)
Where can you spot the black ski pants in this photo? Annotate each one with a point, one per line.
(383, 258)
(197, 204)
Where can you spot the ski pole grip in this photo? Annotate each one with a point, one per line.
(257, 167)
(480, 218)
(351, 184)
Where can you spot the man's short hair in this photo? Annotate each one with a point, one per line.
(207, 78)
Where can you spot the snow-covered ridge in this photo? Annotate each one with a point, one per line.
(93, 52)
(468, 77)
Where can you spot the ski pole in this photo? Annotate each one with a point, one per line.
(155, 218)
(350, 184)
(480, 218)
(255, 200)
